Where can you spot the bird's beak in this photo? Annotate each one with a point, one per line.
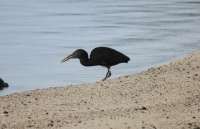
(67, 58)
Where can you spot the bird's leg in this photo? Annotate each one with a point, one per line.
(107, 75)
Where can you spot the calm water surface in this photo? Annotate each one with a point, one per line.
(36, 35)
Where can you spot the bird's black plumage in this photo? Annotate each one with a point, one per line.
(109, 56)
(103, 56)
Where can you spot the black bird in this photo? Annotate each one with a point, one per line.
(103, 56)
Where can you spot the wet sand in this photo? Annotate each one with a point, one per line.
(158, 98)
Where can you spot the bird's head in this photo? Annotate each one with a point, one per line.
(80, 53)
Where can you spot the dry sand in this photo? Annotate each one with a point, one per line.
(166, 97)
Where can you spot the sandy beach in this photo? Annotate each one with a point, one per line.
(165, 97)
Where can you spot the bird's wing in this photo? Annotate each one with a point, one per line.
(107, 58)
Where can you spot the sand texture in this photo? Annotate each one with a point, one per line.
(166, 97)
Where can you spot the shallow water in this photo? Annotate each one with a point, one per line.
(36, 35)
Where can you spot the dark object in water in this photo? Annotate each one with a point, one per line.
(3, 84)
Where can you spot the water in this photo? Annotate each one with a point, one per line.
(36, 35)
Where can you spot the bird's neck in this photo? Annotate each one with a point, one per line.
(88, 62)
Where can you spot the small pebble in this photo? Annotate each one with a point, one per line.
(5, 112)
(143, 108)
(50, 125)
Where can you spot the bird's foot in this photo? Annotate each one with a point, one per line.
(104, 79)
(107, 75)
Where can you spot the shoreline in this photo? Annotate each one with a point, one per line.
(162, 97)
